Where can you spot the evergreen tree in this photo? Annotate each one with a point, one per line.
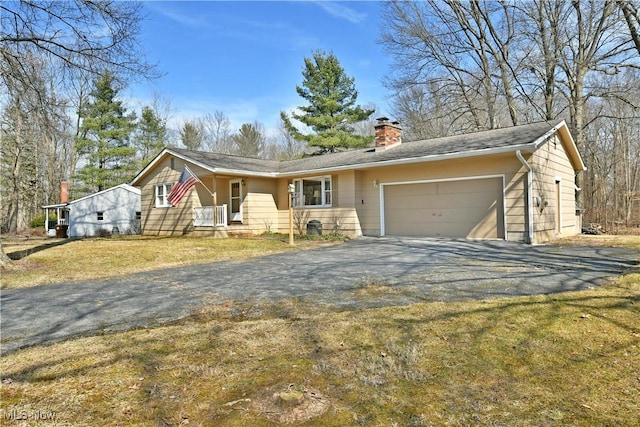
(332, 108)
(151, 135)
(249, 141)
(191, 135)
(104, 142)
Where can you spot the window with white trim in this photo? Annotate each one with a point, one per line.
(162, 195)
(315, 191)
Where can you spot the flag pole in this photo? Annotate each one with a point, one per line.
(213, 194)
(198, 179)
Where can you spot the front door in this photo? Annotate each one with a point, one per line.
(235, 201)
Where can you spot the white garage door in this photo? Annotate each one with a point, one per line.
(466, 208)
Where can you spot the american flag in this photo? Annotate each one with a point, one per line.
(186, 181)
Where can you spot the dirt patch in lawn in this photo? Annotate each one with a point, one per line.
(290, 403)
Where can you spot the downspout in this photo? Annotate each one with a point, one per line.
(529, 194)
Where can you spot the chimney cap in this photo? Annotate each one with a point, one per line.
(382, 119)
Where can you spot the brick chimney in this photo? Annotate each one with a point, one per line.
(388, 134)
(64, 192)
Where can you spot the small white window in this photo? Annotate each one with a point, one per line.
(100, 216)
(311, 192)
(162, 195)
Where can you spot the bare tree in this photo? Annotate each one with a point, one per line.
(630, 11)
(77, 34)
(34, 136)
(423, 113)
(366, 127)
(290, 147)
(596, 43)
(217, 133)
(477, 64)
(41, 44)
(541, 47)
(457, 49)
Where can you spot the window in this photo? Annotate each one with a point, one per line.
(312, 192)
(162, 194)
(100, 216)
(138, 215)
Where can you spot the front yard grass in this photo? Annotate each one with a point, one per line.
(549, 360)
(45, 261)
(568, 359)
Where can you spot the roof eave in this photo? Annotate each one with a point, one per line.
(215, 170)
(569, 143)
(150, 165)
(410, 160)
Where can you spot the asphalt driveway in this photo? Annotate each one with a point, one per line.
(412, 269)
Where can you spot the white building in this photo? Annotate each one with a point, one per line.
(115, 210)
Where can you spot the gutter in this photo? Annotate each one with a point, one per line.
(329, 169)
(529, 194)
(407, 160)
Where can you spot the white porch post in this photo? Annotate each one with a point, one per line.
(215, 202)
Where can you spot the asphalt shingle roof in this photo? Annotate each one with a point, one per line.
(467, 143)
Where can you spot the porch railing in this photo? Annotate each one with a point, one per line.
(204, 216)
(53, 222)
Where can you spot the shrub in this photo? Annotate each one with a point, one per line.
(39, 220)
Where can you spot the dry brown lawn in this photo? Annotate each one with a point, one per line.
(566, 359)
(44, 261)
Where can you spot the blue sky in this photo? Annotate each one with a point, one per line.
(245, 58)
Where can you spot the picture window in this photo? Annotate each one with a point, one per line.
(311, 192)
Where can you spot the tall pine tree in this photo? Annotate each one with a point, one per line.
(191, 135)
(249, 141)
(331, 110)
(150, 136)
(104, 145)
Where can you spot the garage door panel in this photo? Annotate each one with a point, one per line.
(467, 208)
(418, 216)
(454, 201)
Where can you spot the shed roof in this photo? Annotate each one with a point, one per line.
(124, 186)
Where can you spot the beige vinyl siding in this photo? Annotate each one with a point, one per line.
(171, 220)
(551, 163)
(342, 220)
(259, 206)
(368, 197)
(340, 217)
(203, 196)
(367, 202)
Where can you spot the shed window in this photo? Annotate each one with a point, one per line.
(314, 191)
(138, 215)
(162, 195)
(100, 216)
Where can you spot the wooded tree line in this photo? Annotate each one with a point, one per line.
(64, 66)
(458, 67)
(475, 65)
(51, 57)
